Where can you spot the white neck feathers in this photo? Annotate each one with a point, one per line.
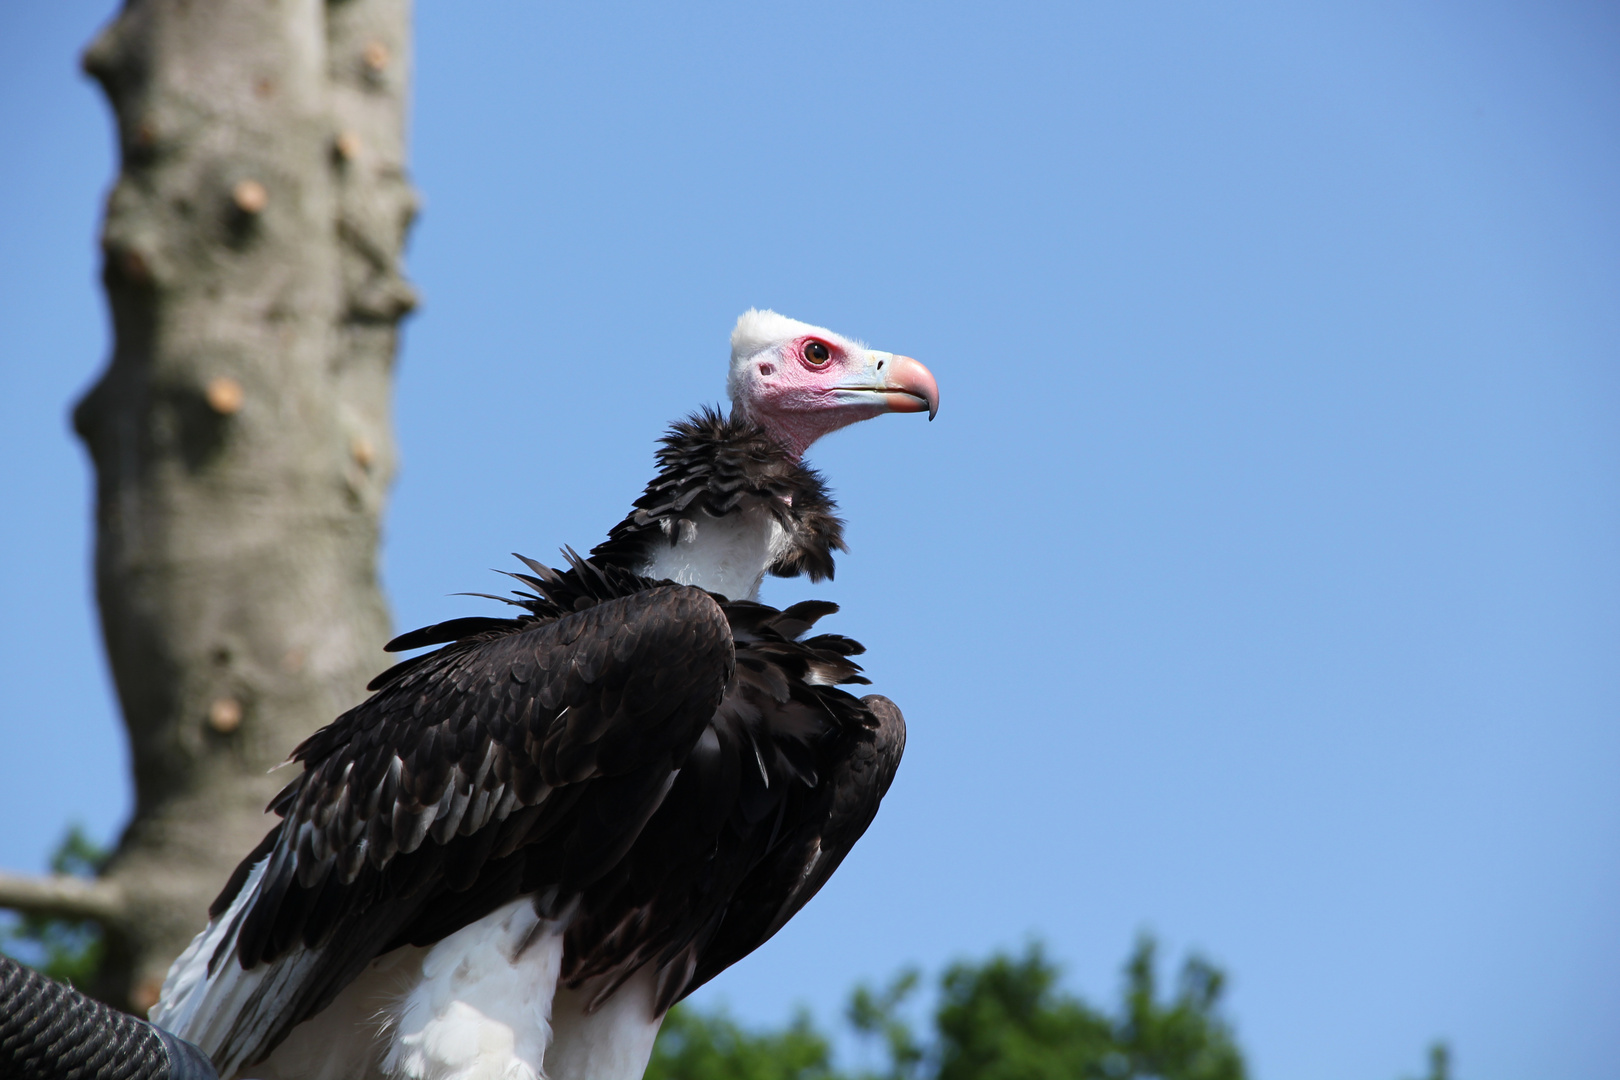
(727, 555)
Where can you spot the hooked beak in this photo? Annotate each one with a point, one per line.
(897, 384)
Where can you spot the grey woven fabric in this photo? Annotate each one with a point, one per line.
(52, 1032)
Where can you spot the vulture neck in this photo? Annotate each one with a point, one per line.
(728, 555)
(728, 506)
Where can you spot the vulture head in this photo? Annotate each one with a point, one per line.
(800, 382)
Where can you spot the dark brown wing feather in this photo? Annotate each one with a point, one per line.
(523, 760)
(783, 782)
(811, 847)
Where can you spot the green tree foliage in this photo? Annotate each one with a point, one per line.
(710, 1045)
(1006, 1018)
(877, 1015)
(1439, 1062)
(64, 949)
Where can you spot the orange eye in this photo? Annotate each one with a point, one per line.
(817, 353)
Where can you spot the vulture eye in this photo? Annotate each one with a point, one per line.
(817, 353)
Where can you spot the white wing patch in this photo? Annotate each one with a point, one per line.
(347, 1039)
(201, 1007)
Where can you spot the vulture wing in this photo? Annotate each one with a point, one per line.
(525, 759)
(812, 846)
(781, 785)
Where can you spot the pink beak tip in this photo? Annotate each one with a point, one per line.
(912, 379)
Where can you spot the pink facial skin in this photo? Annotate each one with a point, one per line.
(803, 388)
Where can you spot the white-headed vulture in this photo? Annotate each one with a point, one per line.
(526, 845)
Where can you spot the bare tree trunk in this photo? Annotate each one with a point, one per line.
(241, 431)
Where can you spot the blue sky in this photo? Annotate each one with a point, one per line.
(1257, 584)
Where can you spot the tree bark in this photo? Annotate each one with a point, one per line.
(241, 430)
